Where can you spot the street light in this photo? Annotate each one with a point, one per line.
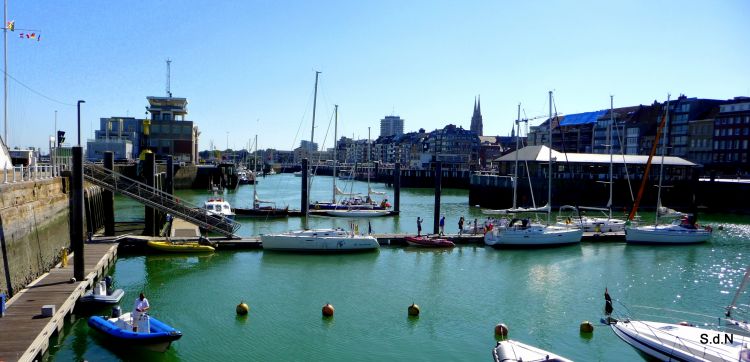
(79, 120)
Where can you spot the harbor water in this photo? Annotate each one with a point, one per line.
(542, 295)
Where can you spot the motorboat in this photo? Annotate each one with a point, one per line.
(100, 294)
(217, 206)
(357, 213)
(428, 242)
(328, 240)
(681, 342)
(145, 331)
(678, 232)
(510, 350)
(181, 247)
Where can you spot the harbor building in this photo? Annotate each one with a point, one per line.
(391, 126)
(731, 133)
(118, 135)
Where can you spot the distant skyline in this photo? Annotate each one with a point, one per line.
(248, 67)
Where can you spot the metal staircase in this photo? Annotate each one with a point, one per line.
(157, 199)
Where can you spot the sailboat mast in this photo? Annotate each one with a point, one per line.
(661, 168)
(609, 144)
(255, 175)
(312, 137)
(335, 141)
(739, 292)
(549, 186)
(515, 169)
(368, 162)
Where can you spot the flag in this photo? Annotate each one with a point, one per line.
(11, 25)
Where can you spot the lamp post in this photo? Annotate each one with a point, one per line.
(79, 120)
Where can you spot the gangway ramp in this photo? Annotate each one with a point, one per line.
(159, 200)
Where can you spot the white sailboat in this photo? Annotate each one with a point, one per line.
(680, 231)
(524, 234)
(328, 240)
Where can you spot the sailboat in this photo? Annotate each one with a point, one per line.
(257, 210)
(599, 224)
(366, 209)
(327, 240)
(732, 323)
(682, 230)
(525, 234)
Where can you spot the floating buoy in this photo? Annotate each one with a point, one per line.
(243, 308)
(328, 310)
(413, 310)
(586, 327)
(501, 330)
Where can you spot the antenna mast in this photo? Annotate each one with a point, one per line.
(169, 90)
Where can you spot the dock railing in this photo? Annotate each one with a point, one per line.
(22, 173)
(159, 200)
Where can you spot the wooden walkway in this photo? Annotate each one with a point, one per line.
(25, 333)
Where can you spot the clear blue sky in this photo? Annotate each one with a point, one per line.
(246, 67)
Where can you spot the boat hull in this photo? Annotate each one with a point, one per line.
(189, 247)
(357, 213)
(261, 212)
(425, 242)
(510, 350)
(90, 298)
(328, 240)
(666, 235)
(532, 236)
(159, 338)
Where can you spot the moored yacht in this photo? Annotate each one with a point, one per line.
(327, 240)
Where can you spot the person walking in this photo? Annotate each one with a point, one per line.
(461, 226)
(442, 225)
(419, 226)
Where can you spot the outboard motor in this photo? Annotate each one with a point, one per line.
(108, 282)
(116, 311)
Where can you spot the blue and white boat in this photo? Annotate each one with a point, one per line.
(144, 331)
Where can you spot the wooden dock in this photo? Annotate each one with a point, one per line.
(25, 333)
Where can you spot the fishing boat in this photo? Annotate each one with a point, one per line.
(327, 240)
(101, 294)
(428, 242)
(681, 231)
(261, 208)
(145, 331)
(523, 233)
(510, 350)
(181, 247)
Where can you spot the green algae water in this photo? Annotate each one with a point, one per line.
(542, 295)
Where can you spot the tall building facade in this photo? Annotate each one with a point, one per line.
(391, 126)
(476, 118)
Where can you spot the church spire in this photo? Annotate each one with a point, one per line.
(476, 117)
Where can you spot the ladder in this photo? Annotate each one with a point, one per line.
(159, 200)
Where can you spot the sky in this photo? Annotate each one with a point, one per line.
(248, 67)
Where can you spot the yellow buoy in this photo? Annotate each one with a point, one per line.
(501, 330)
(328, 310)
(587, 327)
(413, 310)
(242, 308)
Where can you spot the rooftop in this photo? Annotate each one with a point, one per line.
(541, 154)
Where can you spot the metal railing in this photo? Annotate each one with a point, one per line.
(29, 173)
(159, 200)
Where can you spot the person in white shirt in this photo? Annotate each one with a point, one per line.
(140, 307)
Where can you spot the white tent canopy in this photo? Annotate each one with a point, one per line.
(541, 154)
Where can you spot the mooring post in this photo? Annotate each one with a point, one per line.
(149, 171)
(76, 212)
(438, 177)
(169, 187)
(304, 205)
(108, 198)
(397, 187)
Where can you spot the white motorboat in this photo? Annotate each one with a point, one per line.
(533, 235)
(328, 240)
(510, 350)
(677, 342)
(678, 232)
(101, 295)
(357, 213)
(217, 206)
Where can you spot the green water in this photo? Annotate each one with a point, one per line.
(542, 295)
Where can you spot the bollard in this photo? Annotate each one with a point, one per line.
(64, 256)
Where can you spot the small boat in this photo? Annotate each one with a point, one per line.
(217, 206)
(186, 247)
(101, 295)
(326, 240)
(678, 232)
(146, 331)
(510, 350)
(424, 241)
(298, 174)
(257, 210)
(357, 213)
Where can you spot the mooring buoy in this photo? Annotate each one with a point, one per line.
(328, 310)
(413, 310)
(242, 308)
(501, 330)
(586, 327)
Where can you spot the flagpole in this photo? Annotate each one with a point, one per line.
(5, 72)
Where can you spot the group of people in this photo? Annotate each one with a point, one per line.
(461, 227)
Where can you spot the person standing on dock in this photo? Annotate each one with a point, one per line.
(442, 225)
(461, 226)
(419, 226)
